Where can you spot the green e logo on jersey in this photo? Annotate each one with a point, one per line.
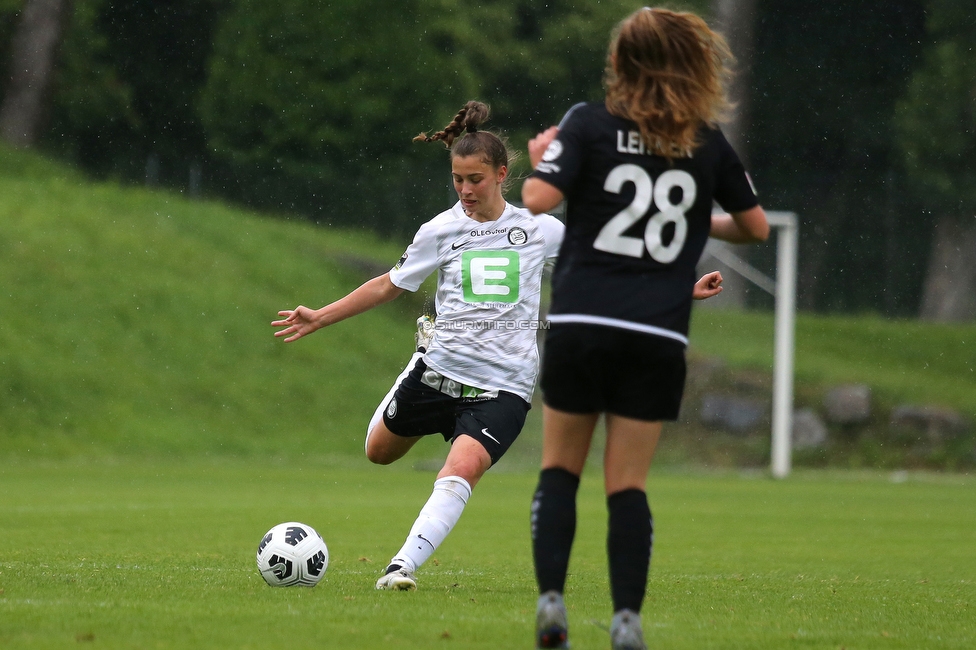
(490, 276)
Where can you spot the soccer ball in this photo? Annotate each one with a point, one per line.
(292, 554)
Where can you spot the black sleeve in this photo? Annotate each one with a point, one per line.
(561, 162)
(733, 189)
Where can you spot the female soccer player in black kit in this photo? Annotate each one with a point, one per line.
(639, 173)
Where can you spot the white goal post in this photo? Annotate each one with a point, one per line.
(783, 289)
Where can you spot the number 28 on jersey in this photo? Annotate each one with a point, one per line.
(648, 194)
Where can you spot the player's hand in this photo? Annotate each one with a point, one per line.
(297, 323)
(709, 285)
(539, 144)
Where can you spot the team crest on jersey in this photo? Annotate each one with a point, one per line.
(402, 260)
(553, 151)
(517, 236)
(391, 409)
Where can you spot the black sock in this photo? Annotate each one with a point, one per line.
(553, 527)
(629, 540)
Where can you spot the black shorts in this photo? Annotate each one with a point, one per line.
(598, 369)
(494, 419)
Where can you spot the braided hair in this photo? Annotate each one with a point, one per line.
(464, 139)
(469, 118)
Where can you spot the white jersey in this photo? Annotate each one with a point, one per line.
(489, 278)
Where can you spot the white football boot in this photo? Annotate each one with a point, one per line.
(397, 578)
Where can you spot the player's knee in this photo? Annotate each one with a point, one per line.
(383, 447)
(471, 465)
(378, 455)
(471, 472)
(379, 458)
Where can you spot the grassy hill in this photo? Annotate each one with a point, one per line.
(136, 322)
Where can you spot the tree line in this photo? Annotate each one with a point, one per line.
(859, 118)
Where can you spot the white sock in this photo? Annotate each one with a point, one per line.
(437, 518)
(378, 413)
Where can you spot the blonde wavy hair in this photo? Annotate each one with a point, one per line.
(667, 72)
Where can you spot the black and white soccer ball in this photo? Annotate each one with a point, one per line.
(292, 554)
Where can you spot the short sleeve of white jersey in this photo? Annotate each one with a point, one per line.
(553, 230)
(418, 261)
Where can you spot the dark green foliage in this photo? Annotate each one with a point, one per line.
(936, 120)
(324, 99)
(310, 107)
(827, 77)
(8, 21)
(128, 81)
(554, 57)
(316, 105)
(293, 81)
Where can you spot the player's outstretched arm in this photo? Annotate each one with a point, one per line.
(746, 227)
(301, 320)
(707, 286)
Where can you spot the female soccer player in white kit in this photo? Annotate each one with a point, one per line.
(473, 380)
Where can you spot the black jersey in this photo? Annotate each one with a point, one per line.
(636, 223)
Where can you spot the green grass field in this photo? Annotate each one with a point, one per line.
(161, 555)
